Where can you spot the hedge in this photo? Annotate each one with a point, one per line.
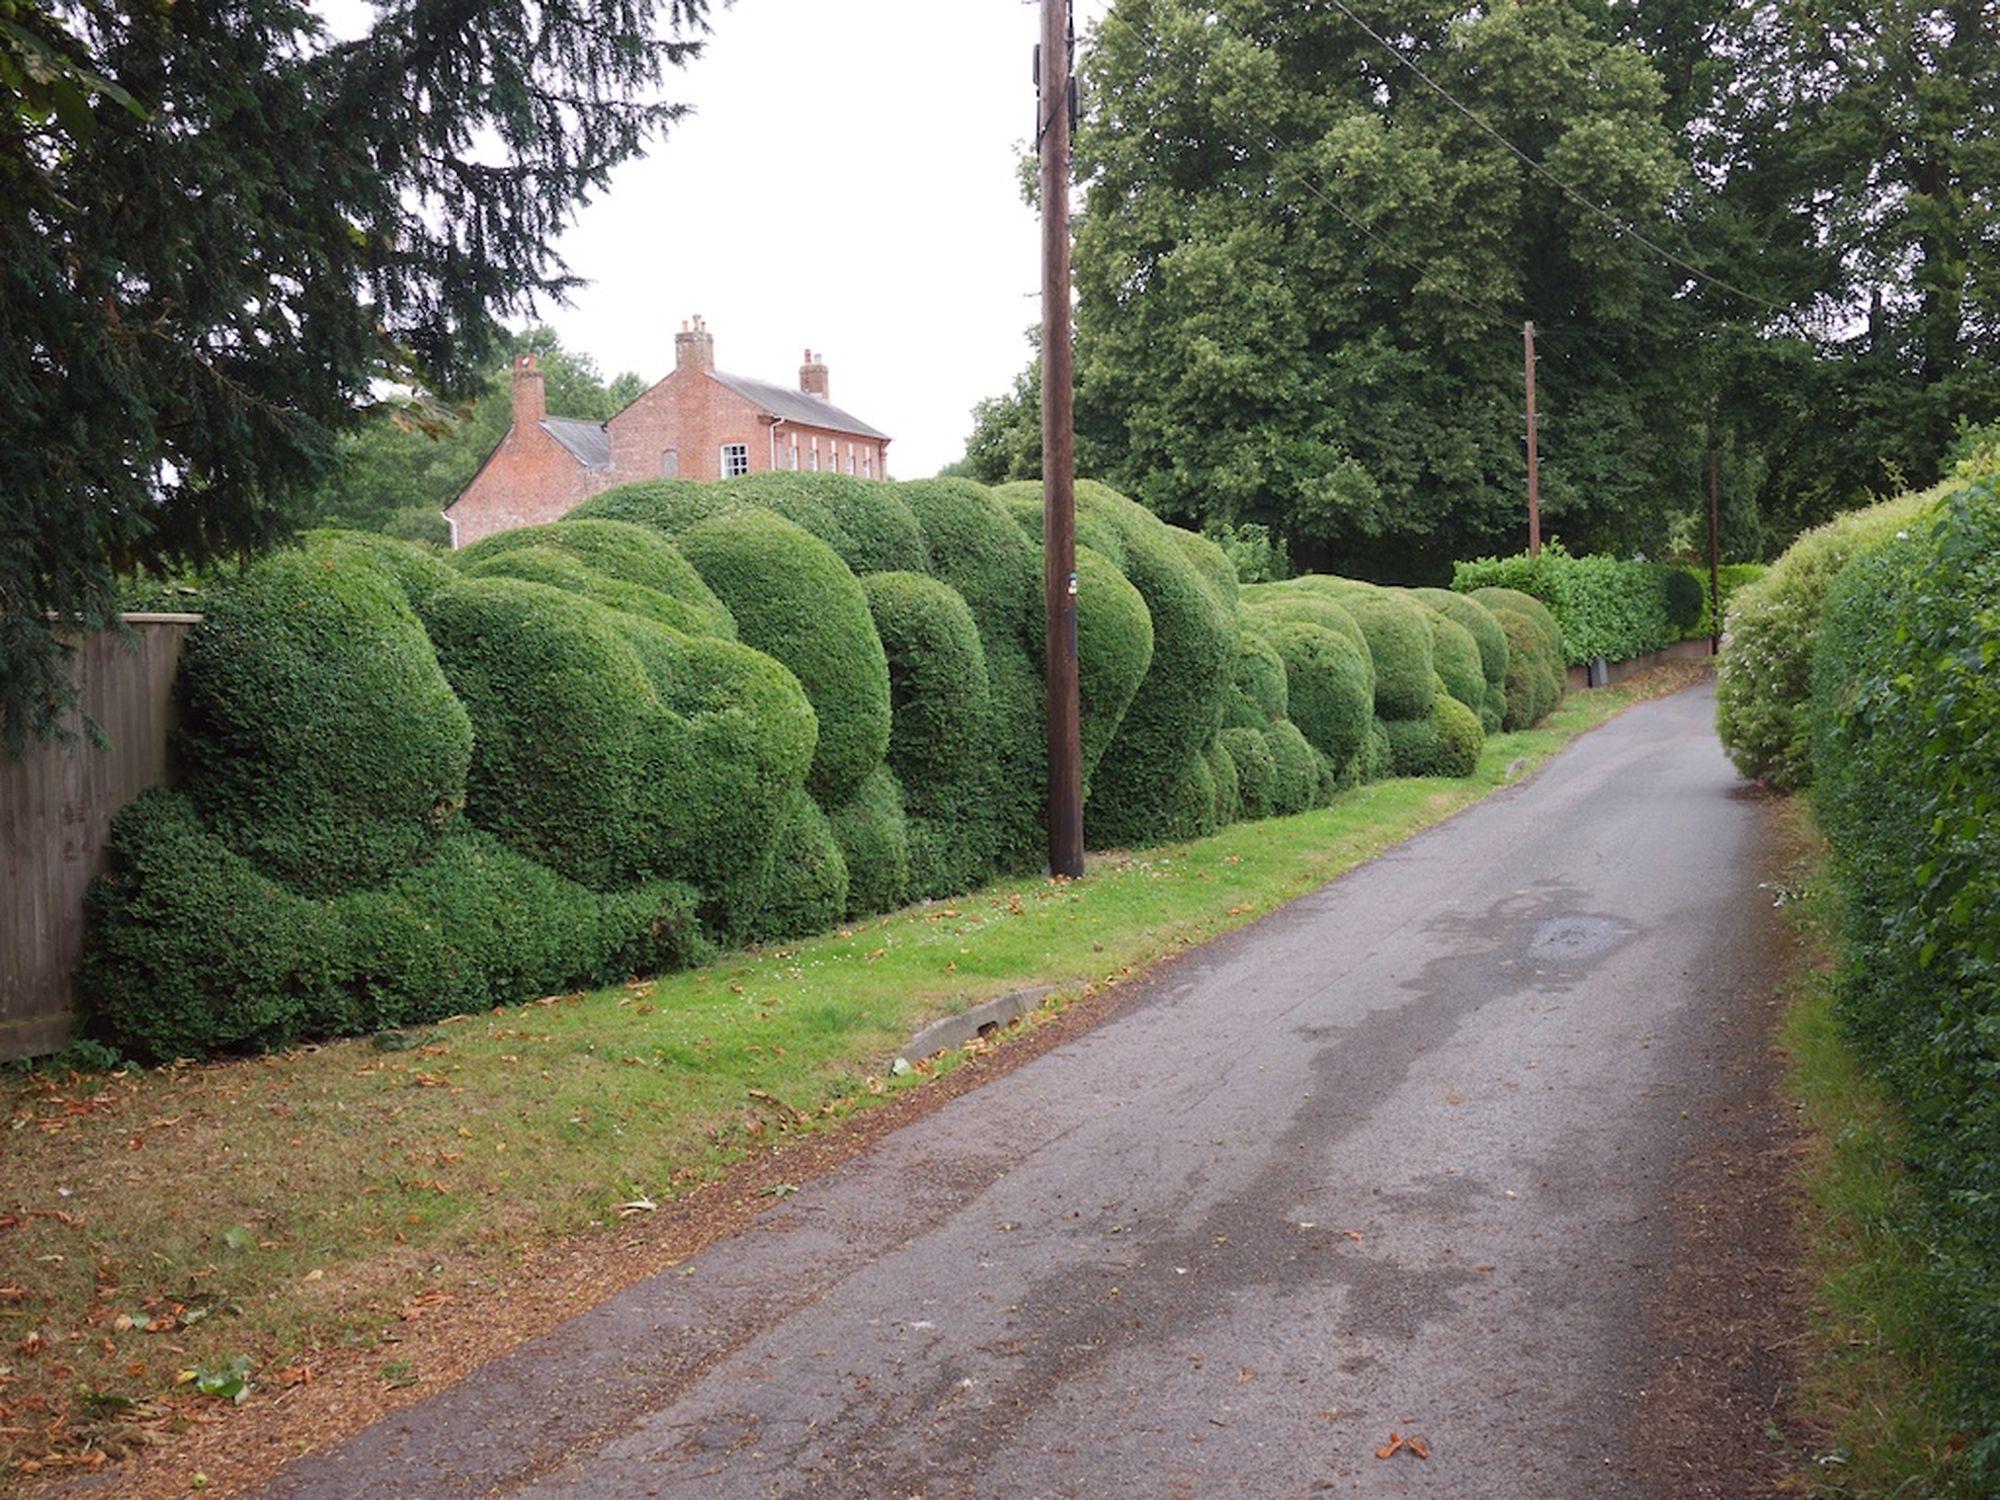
(1399, 642)
(192, 951)
(874, 837)
(1256, 768)
(1445, 742)
(1300, 784)
(1114, 652)
(1141, 793)
(1460, 667)
(795, 600)
(1905, 737)
(668, 506)
(1285, 602)
(807, 891)
(864, 520)
(1327, 684)
(1603, 606)
(319, 735)
(1535, 680)
(623, 551)
(977, 548)
(1490, 639)
(1260, 693)
(1763, 680)
(941, 714)
(561, 570)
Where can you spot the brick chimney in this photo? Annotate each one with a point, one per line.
(812, 375)
(531, 401)
(694, 348)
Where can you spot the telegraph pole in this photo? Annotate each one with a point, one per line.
(1714, 554)
(1054, 86)
(1534, 457)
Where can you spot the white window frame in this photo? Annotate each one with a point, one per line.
(735, 459)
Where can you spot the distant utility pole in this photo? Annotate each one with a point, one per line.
(1055, 91)
(1534, 457)
(1714, 554)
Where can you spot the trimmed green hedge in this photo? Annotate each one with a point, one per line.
(1603, 606)
(619, 552)
(320, 738)
(1256, 768)
(1260, 693)
(1114, 651)
(795, 600)
(1491, 642)
(1399, 642)
(1763, 680)
(1905, 718)
(1327, 684)
(941, 713)
(668, 506)
(1445, 742)
(1456, 653)
(1535, 678)
(864, 520)
(807, 891)
(191, 951)
(874, 837)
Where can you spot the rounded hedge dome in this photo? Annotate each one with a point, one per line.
(1399, 642)
(1328, 684)
(1456, 653)
(623, 551)
(321, 738)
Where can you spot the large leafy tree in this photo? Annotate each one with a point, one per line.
(222, 229)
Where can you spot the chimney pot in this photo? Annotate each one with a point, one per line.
(694, 348)
(812, 375)
(529, 396)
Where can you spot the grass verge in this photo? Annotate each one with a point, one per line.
(179, 1241)
(1874, 1373)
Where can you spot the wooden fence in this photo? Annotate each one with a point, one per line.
(56, 806)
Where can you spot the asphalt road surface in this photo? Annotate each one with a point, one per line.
(1395, 1159)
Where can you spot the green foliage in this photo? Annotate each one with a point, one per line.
(205, 289)
(667, 505)
(321, 740)
(418, 571)
(1327, 684)
(1297, 784)
(1763, 681)
(618, 551)
(1256, 555)
(1228, 786)
(1445, 742)
(863, 520)
(1535, 678)
(941, 717)
(1495, 597)
(795, 600)
(1114, 651)
(1459, 664)
(874, 839)
(1256, 768)
(1603, 606)
(1179, 704)
(1905, 717)
(1260, 694)
(1685, 597)
(1314, 607)
(1477, 619)
(808, 884)
(191, 951)
(1211, 561)
(1399, 643)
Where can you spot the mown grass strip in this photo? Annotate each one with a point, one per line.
(276, 1209)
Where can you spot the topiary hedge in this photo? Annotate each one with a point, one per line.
(1763, 679)
(1256, 770)
(795, 600)
(1399, 643)
(617, 552)
(319, 736)
(864, 520)
(192, 951)
(1905, 737)
(1456, 654)
(807, 889)
(1114, 651)
(1535, 678)
(874, 837)
(1488, 638)
(1327, 684)
(941, 715)
(1445, 742)
(1602, 606)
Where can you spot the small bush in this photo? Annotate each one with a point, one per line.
(1256, 770)
(320, 736)
(1446, 742)
(1763, 679)
(807, 892)
(863, 520)
(795, 600)
(1535, 679)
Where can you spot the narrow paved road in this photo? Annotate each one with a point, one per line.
(1396, 1158)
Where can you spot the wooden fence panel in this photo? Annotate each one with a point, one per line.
(56, 806)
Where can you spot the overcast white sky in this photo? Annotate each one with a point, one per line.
(847, 183)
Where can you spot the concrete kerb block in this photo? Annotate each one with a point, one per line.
(984, 1019)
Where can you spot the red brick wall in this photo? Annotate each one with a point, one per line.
(530, 479)
(692, 415)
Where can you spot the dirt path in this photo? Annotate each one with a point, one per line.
(1479, 1145)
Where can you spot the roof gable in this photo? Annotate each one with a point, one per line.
(795, 406)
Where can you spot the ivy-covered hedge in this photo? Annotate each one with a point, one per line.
(1763, 680)
(1905, 745)
(287, 688)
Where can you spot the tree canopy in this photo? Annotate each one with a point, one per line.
(1309, 237)
(221, 229)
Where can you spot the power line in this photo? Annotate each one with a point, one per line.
(1569, 192)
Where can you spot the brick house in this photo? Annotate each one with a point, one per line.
(698, 423)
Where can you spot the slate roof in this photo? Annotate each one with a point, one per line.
(796, 406)
(588, 443)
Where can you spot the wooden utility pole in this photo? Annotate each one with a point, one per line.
(1534, 457)
(1053, 89)
(1714, 555)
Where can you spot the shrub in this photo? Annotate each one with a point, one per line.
(668, 506)
(1399, 642)
(1905, 717)
(1256, 770)
(1114, 651)
(940, 713)
(418, 571)
(1378, 755)
(874, 837)
(808, 883)
(1456, 654)
(1490, 639)
(1297, 783)
(1685, 596)
(321, 739)
(1210, 561)
(1179, 704)
(978, 549)
(623, 551)
(547, 565)
(1763, 680)
(1228, 786)
(1310, 598)
(1496, 598)
(1259, 691)
(1603, 606)
(795, 600)
(1446, 742)
(863, 520)
(1327, 685)
(1535, 679)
